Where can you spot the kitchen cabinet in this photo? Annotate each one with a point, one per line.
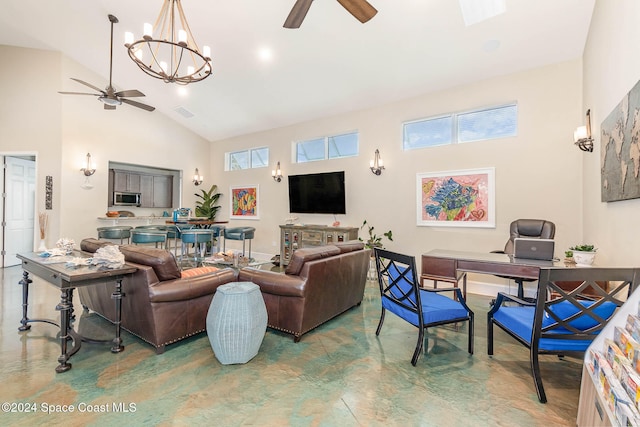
(162, 191)
(156, 191)
(126, 181)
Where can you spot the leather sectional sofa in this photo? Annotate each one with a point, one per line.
(319, 284)
(160, 306)
(163, 305)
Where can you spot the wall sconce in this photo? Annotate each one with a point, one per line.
(88, 168)
(376, 165)
(582, 135)
(197, 178)
(277, 173)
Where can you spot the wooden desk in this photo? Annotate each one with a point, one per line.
(451, 266)
(54, 271)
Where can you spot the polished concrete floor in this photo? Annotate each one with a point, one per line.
(340, 374)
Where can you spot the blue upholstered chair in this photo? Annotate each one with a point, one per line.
(239, 233)
(568, 323)
(422, 308)
(115, 232)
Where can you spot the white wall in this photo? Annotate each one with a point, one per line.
(538, 173)
(30, 119)
(61, 129)
(611, 69)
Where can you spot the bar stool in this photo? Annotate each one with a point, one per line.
(148, 235)
(239, 233)
(115, 232)
(199, 238)
(173, 234)
(218, 234)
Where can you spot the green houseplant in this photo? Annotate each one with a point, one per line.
(374, 241)
(206, 206)
(582, 254)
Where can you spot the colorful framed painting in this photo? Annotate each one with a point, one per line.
(461, 198)
(244, 202)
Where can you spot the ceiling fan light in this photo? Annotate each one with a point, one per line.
(110, 101)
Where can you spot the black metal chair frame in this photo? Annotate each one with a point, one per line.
(389, 289)
(548, 284)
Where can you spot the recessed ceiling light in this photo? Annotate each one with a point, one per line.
(474, 11)
(265, 54)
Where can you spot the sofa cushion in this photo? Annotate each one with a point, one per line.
(92, 245)
(163, 262)
(350, 246)
(198, 271)
(309, 254)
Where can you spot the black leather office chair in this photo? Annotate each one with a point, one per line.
(530, 228)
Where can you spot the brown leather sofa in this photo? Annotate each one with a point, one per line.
(159, 306)
(319, 284)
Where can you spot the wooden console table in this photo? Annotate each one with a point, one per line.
(293, 237)
(54, 271)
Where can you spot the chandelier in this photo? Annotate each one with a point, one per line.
(168, 51)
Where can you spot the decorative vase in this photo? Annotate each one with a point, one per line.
(42, 246)
(583, 259)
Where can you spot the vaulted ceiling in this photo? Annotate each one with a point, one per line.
(266, 76)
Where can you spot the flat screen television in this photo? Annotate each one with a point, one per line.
(320, 193)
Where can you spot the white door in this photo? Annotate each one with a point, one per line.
(20, 181)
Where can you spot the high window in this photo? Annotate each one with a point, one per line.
(468, 126)
(328, 147)
(247, 159)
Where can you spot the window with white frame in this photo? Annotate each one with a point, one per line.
(468, 126)
(247, 159)
(328, 147)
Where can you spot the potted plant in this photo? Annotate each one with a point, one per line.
(374, 241)
(582, 254)
(205, 207)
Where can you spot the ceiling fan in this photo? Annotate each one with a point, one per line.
(360, 9)
(109, 97)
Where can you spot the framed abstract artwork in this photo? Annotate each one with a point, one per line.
(244, 202)
(459, 198)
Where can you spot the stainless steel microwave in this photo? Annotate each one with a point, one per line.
(126, 199)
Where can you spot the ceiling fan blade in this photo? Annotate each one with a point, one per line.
(297, 14)
(109, 107)
(90, 85)
(79, 93)
(129, 93)
(138, 104)
(360, 9)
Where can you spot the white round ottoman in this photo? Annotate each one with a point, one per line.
(236, 322)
